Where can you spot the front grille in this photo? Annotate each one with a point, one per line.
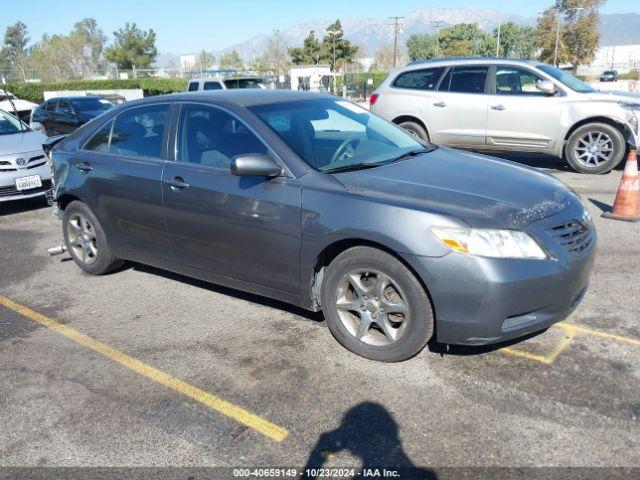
(12, 190)
(574, 236)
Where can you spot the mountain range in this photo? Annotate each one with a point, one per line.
(371, 33)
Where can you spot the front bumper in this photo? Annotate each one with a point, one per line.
(479, 301)
(8, 189)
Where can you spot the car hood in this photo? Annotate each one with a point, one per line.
(613, 96)
(482, 191)
(21, 142)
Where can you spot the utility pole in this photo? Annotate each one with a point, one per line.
(437, 24)
(334, 34)
(396, 26)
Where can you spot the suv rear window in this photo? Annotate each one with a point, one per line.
(465, 80)
(212, 86)
(193, 87)
(426, 79)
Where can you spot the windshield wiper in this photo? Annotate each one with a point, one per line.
(352, 167)
(410, 154)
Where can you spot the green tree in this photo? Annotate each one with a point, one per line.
(310, 53)
(466, 39)
(93, 39)
(576, 21)
(340, 50)
(422, 47)
(14, 49)
(205, 60)
(132, 46)
(516, 41)
(231, 60)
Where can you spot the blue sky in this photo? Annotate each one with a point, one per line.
(190, 25)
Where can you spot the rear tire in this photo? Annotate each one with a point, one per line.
(375, 307)
(415, 129)
(595, 148)
(86, 241)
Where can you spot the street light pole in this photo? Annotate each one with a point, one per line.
(334, 33)
(555, 52)
(437, 24)
(499, 29)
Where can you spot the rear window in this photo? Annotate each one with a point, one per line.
(193, 87)
(91, 104)
(419, 79)
(243, 83)
(138, 132)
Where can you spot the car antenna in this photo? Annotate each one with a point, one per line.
(15, 110)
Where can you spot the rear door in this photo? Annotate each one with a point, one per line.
(122, 168)
(247, 228)
(458, 110)
(65, 120)
(519, 116)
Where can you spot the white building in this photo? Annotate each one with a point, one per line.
(314, 78)
(622, 58)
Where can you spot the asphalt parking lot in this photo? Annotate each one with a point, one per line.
(146, 368)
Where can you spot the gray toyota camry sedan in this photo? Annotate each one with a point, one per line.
(313, 200)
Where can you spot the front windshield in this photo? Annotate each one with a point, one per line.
(10, 124)
(91, 104)
(333, 134)
(567, 79)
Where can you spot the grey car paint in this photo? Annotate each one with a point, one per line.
(270, 236)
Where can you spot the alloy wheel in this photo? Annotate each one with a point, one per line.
(82, 238)
(593, 149)
(372, 307)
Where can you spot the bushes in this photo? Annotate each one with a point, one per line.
(34, 92)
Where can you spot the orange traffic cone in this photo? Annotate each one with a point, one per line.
(627, 204)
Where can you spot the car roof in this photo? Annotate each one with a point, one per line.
(225, 77)
(75, 97)
(472, 60)
(243, 97)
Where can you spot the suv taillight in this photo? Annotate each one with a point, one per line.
(373, 99)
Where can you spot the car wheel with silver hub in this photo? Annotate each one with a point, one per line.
(372, 307)
(82, 238)
(86, 241)
(595, 148)
(375, 306)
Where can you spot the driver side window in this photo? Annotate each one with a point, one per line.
(517, 81)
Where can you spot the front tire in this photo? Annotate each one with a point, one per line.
(375, 307)
(86, 241)
(595, 148)
(415, 129)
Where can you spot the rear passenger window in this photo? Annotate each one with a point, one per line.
(193, 87)
(50, 105)
(212, 137)
(100, 140)
(419, 79)
(465, 80)
(138, 132)
(212, 86)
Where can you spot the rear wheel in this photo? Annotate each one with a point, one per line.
(415, 129)
(375, 306)
(595, 148)
(86, 241)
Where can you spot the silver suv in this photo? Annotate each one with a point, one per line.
(501, 104)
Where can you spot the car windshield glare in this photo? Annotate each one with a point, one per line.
(567, 79)
(334, 135)
(10, 124)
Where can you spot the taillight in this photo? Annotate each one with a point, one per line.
(373, 99)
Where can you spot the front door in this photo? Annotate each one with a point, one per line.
(458, 110)
(519, 116)
(247, 228)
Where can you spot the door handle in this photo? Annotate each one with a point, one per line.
(84, 167)
(177, 183)
(498, 107)
(440, 104)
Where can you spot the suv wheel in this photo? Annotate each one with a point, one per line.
(86, 241)
(595, 148)
(415, 129)
(375, 306)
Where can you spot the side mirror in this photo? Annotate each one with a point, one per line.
(547, 87)
(255, 166)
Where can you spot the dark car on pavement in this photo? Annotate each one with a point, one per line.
(60, 116)
(315, 201)
(609, 76)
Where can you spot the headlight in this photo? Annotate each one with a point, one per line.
(490, 243)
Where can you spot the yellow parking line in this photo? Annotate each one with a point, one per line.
(546, 359)
(598, 333)
(239, 414)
